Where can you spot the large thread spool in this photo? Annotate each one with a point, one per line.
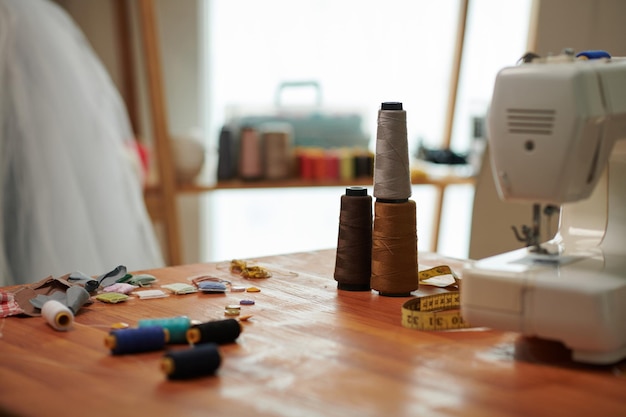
(176, 326)
(190, 363)
(218, 331)
(392, 174)
(136, 340)
(354, 242)
(394, 248)
(57, 315)
(394, 238)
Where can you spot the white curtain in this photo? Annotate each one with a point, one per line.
(70, 197)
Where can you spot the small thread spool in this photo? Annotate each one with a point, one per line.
(218, 331)
(363, 165)
(250, 156)
(394, 249)
(202, 360)
(136, 340)
(227, 158)
(392, 174)
(354, 243)
(277, 151)
(346, 165)
(176, 326)
(57, 315)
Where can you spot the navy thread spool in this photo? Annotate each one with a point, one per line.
(176, 326)
(202, 360)
(353, 263)
(218, 331)
(136, 340)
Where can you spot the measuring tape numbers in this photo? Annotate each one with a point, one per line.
(437, 307)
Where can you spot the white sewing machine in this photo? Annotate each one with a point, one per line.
(555, 127)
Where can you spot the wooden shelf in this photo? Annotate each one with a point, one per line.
(237, 184)
(153, 194)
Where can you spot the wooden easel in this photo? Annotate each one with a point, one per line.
(160, 198)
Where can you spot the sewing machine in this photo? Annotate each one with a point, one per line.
(555, 130)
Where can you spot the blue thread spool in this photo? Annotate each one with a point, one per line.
(218, 331)
(202, 360)
(137, 340)
(176, 326)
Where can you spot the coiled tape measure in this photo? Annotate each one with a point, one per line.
(435, 308)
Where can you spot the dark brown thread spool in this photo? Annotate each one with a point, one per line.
(353, 263)
(394, 249)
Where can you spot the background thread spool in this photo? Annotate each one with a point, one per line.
(57, 315)
(250, 156)
(392, 174)
(176, 326)
(277, 153)
(228, 155)
(218, 331)
(136, 340)
(353, 263)
(190, 363)
(394, 248)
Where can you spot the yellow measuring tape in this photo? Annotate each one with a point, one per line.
(439, 306)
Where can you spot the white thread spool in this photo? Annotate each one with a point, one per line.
(392, 174)
(58, 315)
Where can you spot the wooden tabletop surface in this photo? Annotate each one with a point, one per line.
(308, 350)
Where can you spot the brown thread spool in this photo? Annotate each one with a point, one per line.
(394, 248)
(353, 264)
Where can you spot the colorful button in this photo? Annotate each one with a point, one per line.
(232, 310)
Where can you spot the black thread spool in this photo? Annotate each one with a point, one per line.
(353, 263)
(202, 360)
(218, 331)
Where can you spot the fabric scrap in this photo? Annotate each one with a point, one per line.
(120, 287)
(112, 297)
(180, 288)
(8, 305)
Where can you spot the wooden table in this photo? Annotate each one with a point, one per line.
(309, 350)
